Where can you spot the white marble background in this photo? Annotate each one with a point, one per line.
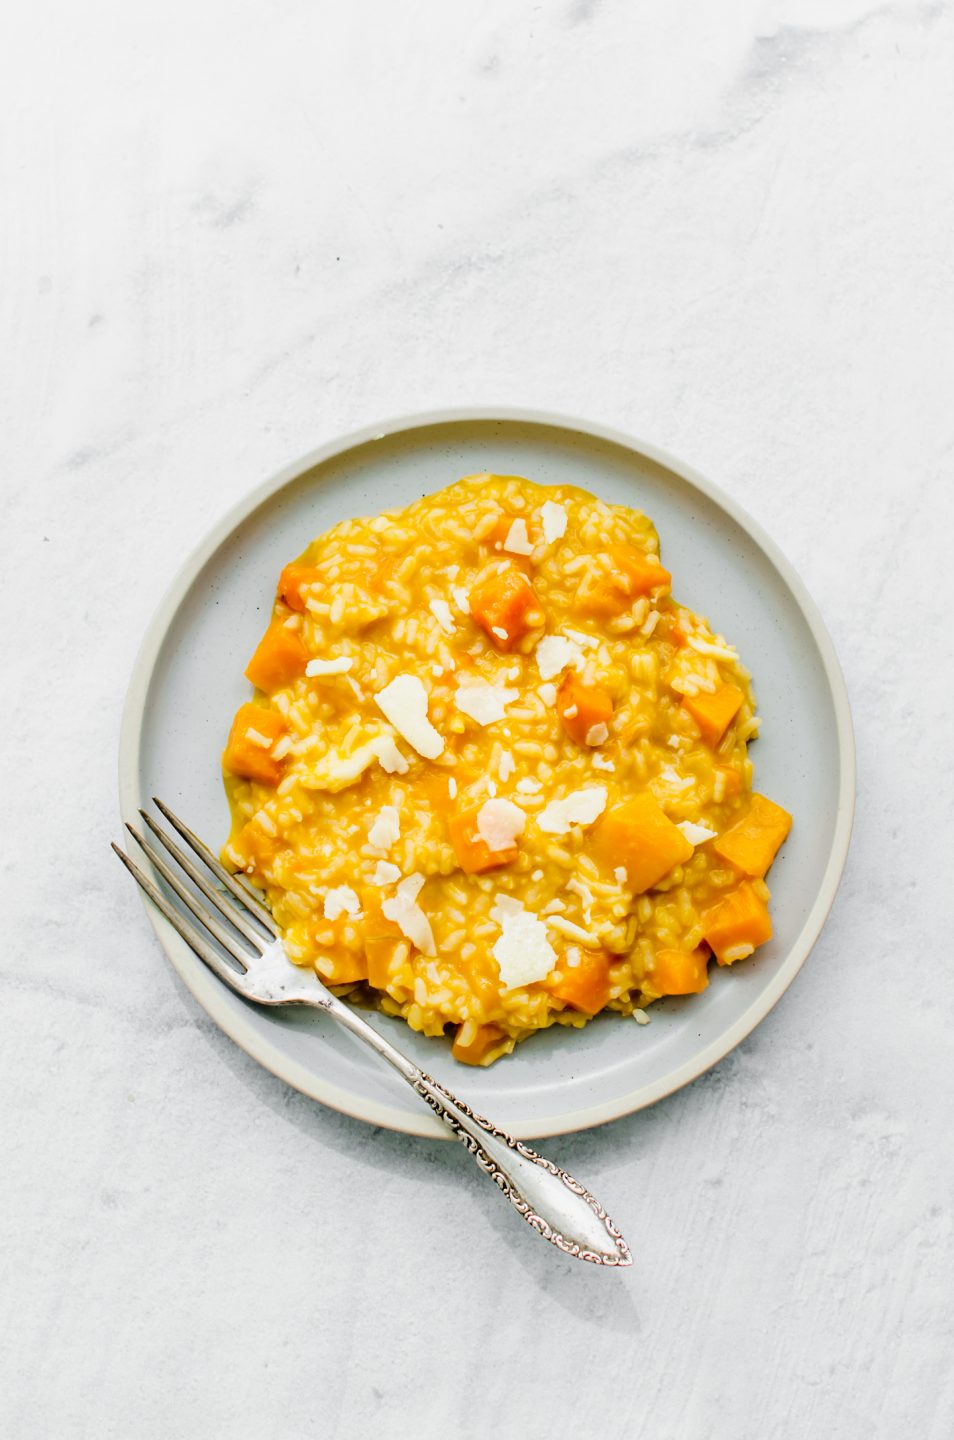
(234, 228)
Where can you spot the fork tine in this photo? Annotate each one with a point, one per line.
(177, 920)
(204, 916)
(221, 902)
(240, 891)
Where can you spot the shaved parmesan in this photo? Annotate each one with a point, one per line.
(484, 703)
(339, 665)
(620, 875)
(334, 772)
(408, 916)
(696, 834)
(442, 614)
(518, 541)
(499, 822)
(601, 763)
(597, 734)
(386, 828)
(554, 653)
(389, 756)
(581, 807)
(341, 901)
(385, 873)
(547, 694)
(523, 952)
(404, 702)
(553, 518)
(589, 642)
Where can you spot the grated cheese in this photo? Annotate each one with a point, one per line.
(581, 807)
(341, 901)
(555, 653)
(386, 828)
(408, 916)
(523, 952)
(484, 703)
(389, 756)
(518, 541)
(404, 703)
(385, 873)
(597, 734)
(499, 822)
(553, 518)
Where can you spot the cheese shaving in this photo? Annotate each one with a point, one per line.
(404, 703)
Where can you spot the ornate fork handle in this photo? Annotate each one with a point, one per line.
(558, 1207)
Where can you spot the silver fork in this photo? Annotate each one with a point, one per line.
(257, 968)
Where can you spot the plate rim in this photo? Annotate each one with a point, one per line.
(209, 992)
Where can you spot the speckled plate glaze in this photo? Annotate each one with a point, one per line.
(187, 683)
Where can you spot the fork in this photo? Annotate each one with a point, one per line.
(248, 956)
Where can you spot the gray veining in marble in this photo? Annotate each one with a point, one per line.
(231, 231)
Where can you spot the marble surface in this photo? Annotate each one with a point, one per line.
(233, 230)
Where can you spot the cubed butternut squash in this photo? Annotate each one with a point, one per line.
(504, 604)
(290, 584)
(583, 707)
(250, 744)
(280, 658)
(752, 843)
(472, 851)
(380, 938)
(617, 577)
(474, 1043)
(714, 713)
(731, 781)
(640, 836)
(679, 972)
(737, 924)
(586, 984)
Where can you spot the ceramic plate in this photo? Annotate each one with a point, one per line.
(188, 682)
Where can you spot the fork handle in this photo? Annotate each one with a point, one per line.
(558, 1207)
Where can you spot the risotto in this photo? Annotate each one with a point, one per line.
(494, 776)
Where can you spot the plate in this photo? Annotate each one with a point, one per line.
(187, 684)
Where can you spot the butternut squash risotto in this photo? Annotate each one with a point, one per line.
(494, 777)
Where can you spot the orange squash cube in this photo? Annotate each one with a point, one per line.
(251, 740)
(504, 604)
(473, 1042)
(640, 837)
(280, 658)
(290, 583)
(679, 972)
(731, 781)
(752, 843)
(586, 985)
(618, 577)
(714, 713)
(737, 925)
(580, 706)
